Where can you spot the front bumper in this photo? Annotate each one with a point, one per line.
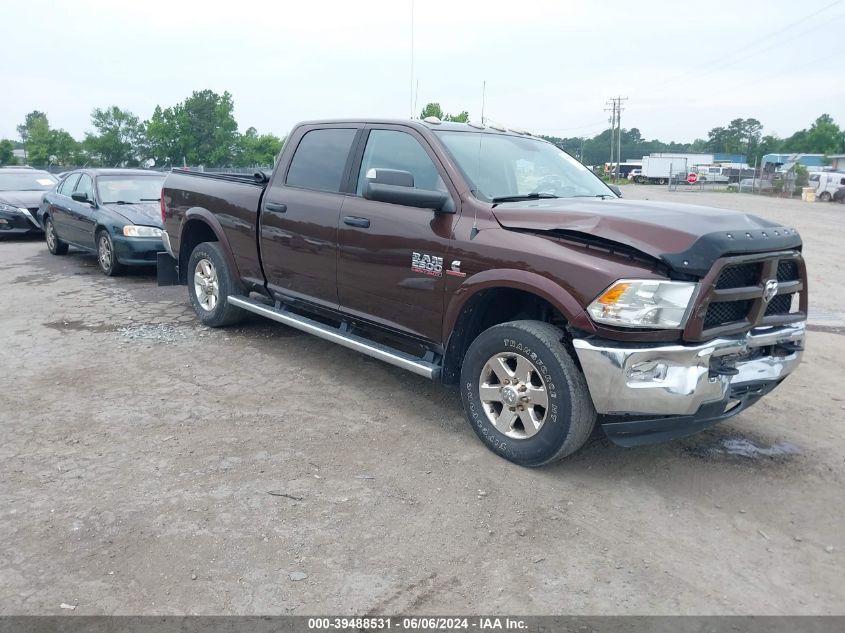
(137, 251)
(18, 222)
(648, 394)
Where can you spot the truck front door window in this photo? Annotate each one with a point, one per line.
(390, 149)
(320, 159)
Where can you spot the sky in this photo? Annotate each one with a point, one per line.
(549, 66)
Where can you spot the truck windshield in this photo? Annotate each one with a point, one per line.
(504, 168)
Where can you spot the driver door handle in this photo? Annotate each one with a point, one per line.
(275, 207)
(363, 223)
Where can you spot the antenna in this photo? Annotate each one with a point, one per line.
(483, 99)
(416, 97)
(413, 101)
(474, 230)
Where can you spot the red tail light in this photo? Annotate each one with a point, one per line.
(161, 203)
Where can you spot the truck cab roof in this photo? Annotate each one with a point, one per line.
(429, 123)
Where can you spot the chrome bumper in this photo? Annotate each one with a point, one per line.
(166, 239)
(678, 379)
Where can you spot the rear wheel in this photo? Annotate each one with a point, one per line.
(523, 394)
(825, 196)
(54, 244)
(210, 283)
(106, 257)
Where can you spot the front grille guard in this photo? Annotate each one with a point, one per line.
(754, 313)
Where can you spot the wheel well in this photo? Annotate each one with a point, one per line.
(488, 308)
(195, 232)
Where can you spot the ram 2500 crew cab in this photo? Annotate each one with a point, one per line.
(492, 260)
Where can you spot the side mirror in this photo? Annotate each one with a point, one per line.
(397, 187)
(80, 197)
(614, 188)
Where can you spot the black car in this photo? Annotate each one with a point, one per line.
(21, 189)
(114, 213)
(839, 195)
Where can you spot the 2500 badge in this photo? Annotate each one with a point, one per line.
(426, 264)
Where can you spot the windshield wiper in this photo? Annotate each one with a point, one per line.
(119, 202)
(520, 198)
(150, 199)
(597, 195)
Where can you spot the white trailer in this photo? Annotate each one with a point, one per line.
(693, 160)
(657, 169)
(826, 183)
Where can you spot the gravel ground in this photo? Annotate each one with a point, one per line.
(153, 466)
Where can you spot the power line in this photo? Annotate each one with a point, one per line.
(713, 65)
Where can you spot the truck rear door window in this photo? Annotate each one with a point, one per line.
(320, 159)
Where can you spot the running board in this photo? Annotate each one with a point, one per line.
(387, 354)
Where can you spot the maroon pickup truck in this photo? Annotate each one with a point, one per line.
(491, 259)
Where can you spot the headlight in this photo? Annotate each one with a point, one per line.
(644, 303)
(141, 231)
(9, 208)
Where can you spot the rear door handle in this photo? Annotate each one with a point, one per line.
(364, 223)
(275, 207)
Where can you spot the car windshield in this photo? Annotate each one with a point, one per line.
(503, 168)
(34, 181)
(129, 189)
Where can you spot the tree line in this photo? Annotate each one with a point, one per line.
(201, 130)
(740, 136)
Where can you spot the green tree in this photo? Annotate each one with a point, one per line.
(35, 135)
(199, 131)
(7, 153)
(119, 137)
(38, 142)
(823, 137)
(33, 122)
(434, 109)
(463, 117)
(162, 135)
(258, 150)
(66, 149)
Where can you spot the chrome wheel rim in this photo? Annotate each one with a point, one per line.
(206, 286)
(51, 237)
(104, 252)
(514, 395)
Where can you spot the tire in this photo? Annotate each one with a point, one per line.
(661, 181)
(210, 284)
(54, 244)
(533, 352)
(106, 256)
(825, 196)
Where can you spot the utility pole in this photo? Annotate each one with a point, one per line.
(612, 120)
(616, 121)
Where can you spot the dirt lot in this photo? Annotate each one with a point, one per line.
(140, 450)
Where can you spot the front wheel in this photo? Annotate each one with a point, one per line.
(106, 256)
(825, 196)
(210, 283)
(54, 244)
(523, 394)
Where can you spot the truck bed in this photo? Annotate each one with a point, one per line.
(229, 203)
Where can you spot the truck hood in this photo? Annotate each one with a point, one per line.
(688, 238)
(143, 213)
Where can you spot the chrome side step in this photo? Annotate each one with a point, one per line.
(359, 344)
